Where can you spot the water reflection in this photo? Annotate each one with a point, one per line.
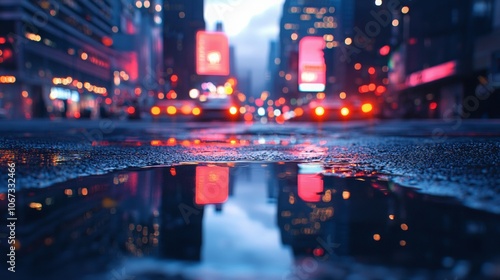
(236, 220)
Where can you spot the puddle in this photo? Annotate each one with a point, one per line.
(247, 221)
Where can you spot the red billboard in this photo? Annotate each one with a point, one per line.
(212, 53)
(312, 67)
(212, 185)
(310, 187)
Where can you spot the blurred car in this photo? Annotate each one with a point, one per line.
(224, 108)
(331, 110)
(176, 109)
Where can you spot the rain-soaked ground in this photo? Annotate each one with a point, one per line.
(249, 220)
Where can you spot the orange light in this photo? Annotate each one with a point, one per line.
(372, 87)
(155, 111)
(186, 109)
(376, 237)
(130, 110)
(233, 110)
(319, 111)
(171, 110)
(196, 111)
(248, 117)
(346, 195)
(367, 108)
(298, 112)
(357, 66)
(344, 111)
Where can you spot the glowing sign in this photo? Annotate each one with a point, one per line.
(212, 53)
(312, 67)
(212, 184)
(432, 74)
(310, 187)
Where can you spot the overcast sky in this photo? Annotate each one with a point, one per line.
(251, 25)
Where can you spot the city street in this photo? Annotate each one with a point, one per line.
(216, 200)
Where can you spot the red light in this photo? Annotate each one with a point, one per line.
(108, 42)
(108, 101)
(371, 70)
(412, 41)
(174, 78)
(248, 117)
(7, 53)
(2, 40)
(212, 184)
(433, 106)
(372, 87)
(364, 89)
(385, 50)
(130, 110)
(380, 90)
(318, 252)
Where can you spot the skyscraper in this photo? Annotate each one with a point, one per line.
(57, 55)
(182, 19)
(303, 18)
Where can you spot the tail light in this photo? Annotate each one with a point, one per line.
(233, 110)
(171, 110)
(319, 111)
(196, 111)
(344, 111)
(155, 111)
(130, 110)
(367, 108)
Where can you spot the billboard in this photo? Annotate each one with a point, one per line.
(212, 185)
(310, 187)
(212, 53)
(312, 67)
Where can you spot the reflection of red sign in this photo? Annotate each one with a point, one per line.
(309, 186)
(312, 68)
(212, 53)
(212, 184)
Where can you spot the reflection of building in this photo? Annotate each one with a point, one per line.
(181, 219)
(362, 218)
